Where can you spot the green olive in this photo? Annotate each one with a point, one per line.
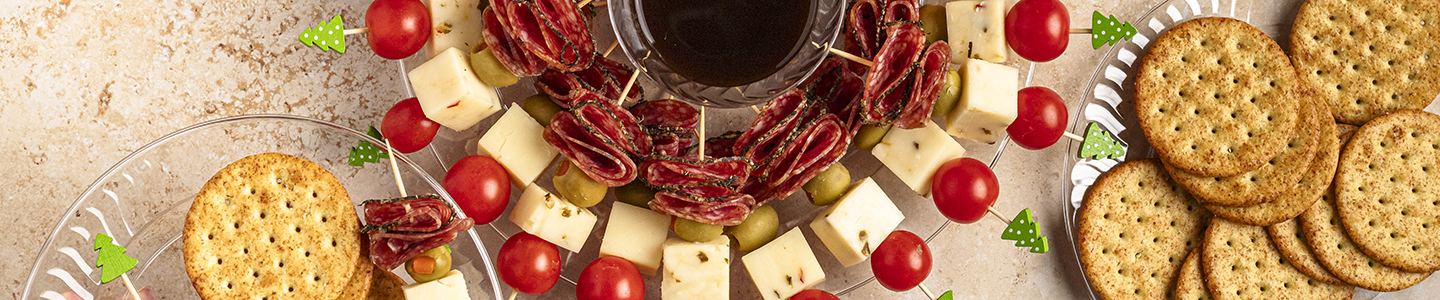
(949, 94)
(870, 135)
(757, 229)
(828, 186)
(489, 69)
(574, 185)
(695, 231)
(439, 260)
(635, 193)
(932, 20)
(540, 107)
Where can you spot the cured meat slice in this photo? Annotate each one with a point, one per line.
(553, 31)
(671, 143)
(722, 146)
(409, 214)
(929, 77)
(389, 249)
(615, 125)
(506, 49)
(839, 87)
(674, 173)
(893, 66)
(812, 150)
(728, 211)
(864, 27)
(666, 113)
(899, 12)
(603, 161)
(777, 117)
(604, 77)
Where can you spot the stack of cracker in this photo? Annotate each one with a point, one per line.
(1300, 209)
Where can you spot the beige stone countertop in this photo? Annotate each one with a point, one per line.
(83, 83)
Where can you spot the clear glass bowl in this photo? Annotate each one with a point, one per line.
(142, 202)
(825, 23)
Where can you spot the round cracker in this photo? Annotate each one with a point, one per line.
(1388, 190)
(1310, 186)
(1338, 254)
(1252, 192)
(1216, 97)
(1239, 262)
(274, 226)
(1135, 228)
(360, 279)
(1369, 57)
(1190, 284)
(387, 286)
(1290, 241)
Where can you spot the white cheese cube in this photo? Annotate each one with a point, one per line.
(516, 141)
(696, 271)
(856, 224)
(977, 30)
(546, 215)
(449, 92)
(635, 234)
(452, 286)
(987, 102)
(456, 24)
(914, 154)
(784, 266)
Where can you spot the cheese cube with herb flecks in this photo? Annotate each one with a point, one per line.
(635, 234)
(449, 92)
(553, 219)
(516, 142)
(857, 223)
(987, 102)
(784, 266)
(977, 30)
(696, 271)
(456, 24)
(913, 155)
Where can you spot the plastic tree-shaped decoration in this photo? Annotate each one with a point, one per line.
(111, 259)
(365, 152)
(329, 35)
(1100, 144)
(1108, 30)
(1026, 233)
(948, 295)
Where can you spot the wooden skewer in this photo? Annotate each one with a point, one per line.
(755, 108)
(928, 294)
(1074, 137)
(998, 216)
(356, 30)
(1080, 30)
(131, 286)
(851, 57)
(512, 294)
(395, 168)
(583, 3)
(611, 48)
(700, 153)
(625, 93)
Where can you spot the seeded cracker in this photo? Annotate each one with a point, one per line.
(1388, 190)
(1239, 262)
(1136, 226)
(1216, 97)
(1312, 184)
(1255, 194)
(1369, 57)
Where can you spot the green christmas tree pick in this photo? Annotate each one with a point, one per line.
(111, 260)
(1026, 233)
(329, 35)
(365, 152)
(948, 295)
(1100, 144)
(1107, 30)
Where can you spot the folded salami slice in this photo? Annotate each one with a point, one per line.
(893, 67)
(839, 87)
(728, 211)
(666, 113)
(604, 77)
(390, 249)
(722, 145)
(864, 27)
(553, 31)
(409, 214)
(603, 161)
(675, 173)
(899, 12)
(813, 149)
(506, 49)
(929, 77)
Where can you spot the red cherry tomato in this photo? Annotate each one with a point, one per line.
(528, 264)
(1041, 118)
(964, 189)
(814, 295)
(480, 186)
(610, 278)
(901, 262)
(406, 126)
(397, 28)
(1038, 30)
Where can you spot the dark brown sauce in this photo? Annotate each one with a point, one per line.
(726, 42)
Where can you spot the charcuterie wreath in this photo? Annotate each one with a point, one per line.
(905, 83)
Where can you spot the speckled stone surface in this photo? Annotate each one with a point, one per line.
(83, 83)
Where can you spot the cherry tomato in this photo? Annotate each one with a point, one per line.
(480, 186)
(1038, 30)
(964, 189)
(901, 262)
(528, 264)
(610, 278)
(397, 28)
(814, 295)
(406, 126)
(1041, 118)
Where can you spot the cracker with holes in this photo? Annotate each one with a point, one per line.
(1388, 190)
(274, 226)
(1216, 97)
(1369, 57)
(1251, 193)
(1334, 250)
(1297, 196)
(1190, 284)
(1290, 241)
(1240, 262)
(360, 279)
(1136, 226)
